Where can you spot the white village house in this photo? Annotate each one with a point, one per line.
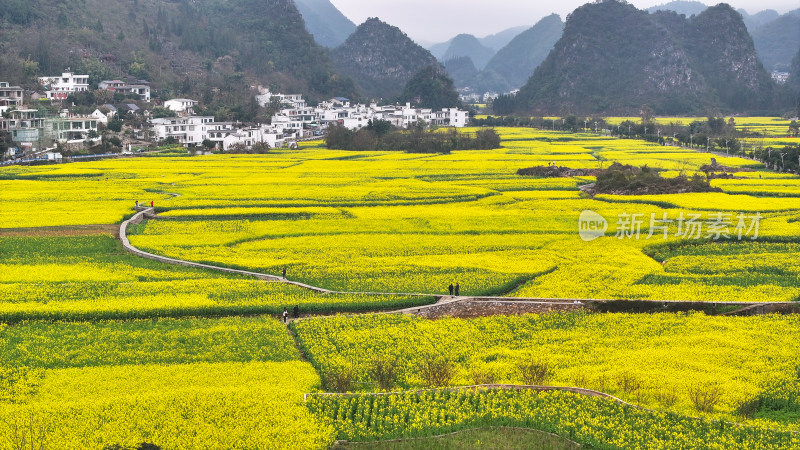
(296, 116)
(140, 88)
(401, 116)
(181, 106)
(25, 127)
(193, 130)
(10, 96)
(72, 128)
(59, 88)
(187, 130)
(104, 117)
(295, 121)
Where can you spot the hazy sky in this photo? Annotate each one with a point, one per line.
(429, 21)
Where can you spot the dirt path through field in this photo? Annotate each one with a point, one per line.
(61, 231)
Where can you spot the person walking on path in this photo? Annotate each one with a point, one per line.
(283, 273)
(451, 289)
(457, 288)
(296, 311)
(137, 204)
(285, 315)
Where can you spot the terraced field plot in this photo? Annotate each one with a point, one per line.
(91, 278)
(652, 360)
(180, 383)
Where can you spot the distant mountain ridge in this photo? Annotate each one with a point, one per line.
(612, 58)
(501, 39)
(381, 59)
(493, 41)
(513, 64)
(325, 22)
(468, 45)
(759, 18)
(777, 41)
(687, 8)
(516, 61)
(462, 70)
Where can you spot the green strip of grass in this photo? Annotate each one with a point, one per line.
(491, 437)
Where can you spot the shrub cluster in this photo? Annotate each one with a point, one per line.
(626, 179)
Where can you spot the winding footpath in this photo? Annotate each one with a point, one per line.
(150, 214)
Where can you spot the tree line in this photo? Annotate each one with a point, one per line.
(715, 134)
(382, 135)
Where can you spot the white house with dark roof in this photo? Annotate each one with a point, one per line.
(140, 89)
(104, 117)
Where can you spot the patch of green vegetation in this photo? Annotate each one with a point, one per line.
(630, 180)
(490, 437)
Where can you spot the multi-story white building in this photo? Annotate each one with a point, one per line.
(253, 135)
(10, 96)
(59, 88)
(287, 123)
(451, 117)
(25, 126)
(193, 130)
(181, 106)
(188, 130)
(110, 85)
(30, 130)
(139, 89)
(265, 97)
(296, 119)
(71, 128)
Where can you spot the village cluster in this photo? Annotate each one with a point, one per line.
(39, 136)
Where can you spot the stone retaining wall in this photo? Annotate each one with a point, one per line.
(483, 308)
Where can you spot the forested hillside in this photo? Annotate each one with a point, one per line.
(208, 49)
(381, 59)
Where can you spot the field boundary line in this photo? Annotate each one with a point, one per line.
(477, 388)
(453, 433)
(523, 387)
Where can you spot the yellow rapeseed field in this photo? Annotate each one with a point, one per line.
(101, 348)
